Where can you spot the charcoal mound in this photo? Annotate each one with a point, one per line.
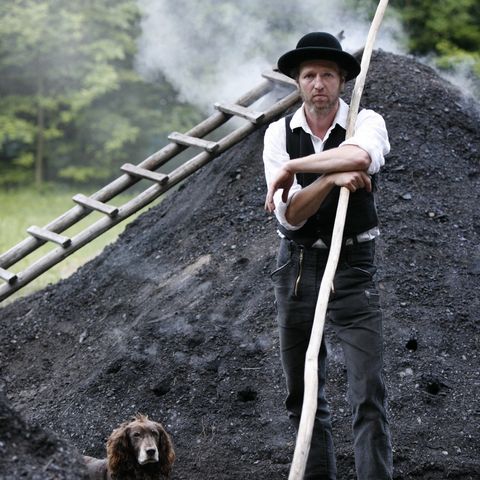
(28, 451)
(176, 319)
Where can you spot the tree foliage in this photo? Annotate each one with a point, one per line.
(450, 29)
(71, 105)
(447, 30)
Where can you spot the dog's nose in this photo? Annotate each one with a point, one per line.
(151, 452)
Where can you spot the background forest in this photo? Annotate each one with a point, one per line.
(73, 106)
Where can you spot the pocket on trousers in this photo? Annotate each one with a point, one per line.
(277, 273)
(366, 270)
(284, 260)
(361, 260)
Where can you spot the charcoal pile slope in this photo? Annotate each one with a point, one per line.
(31, 452)
(176, 319)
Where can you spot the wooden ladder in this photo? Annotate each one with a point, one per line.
(10, 282)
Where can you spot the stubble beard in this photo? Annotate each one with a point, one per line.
(321, 110)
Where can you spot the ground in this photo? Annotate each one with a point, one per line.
(176, 319)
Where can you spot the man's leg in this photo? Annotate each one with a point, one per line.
(296, 290)
(357, 318)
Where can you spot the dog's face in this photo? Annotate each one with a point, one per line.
(139, 445)
(144, 437)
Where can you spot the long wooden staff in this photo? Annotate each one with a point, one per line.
(309, 407)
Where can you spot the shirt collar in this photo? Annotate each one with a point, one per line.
(299, 119)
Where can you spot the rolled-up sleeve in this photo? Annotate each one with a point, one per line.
(371, 135)
(274, 157)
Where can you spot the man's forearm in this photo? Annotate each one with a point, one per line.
(307, 201)
(337, 161)
(341, 159)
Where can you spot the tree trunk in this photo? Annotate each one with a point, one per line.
(40, 144)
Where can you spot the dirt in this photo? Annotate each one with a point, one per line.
(176, 319)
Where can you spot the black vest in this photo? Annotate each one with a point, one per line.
(361, 213)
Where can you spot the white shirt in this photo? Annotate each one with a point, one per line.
(370, 135)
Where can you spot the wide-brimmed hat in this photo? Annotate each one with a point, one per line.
(318, 46)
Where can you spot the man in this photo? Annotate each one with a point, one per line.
(307, 160)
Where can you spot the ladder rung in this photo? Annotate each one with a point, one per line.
(9, 277)
(144, 173)
(278, 77)
(189, 141)
(95, 205)
(240, 111)
(44, 234)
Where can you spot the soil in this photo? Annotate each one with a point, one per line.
(176, 319)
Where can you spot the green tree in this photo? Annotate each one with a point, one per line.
(448, 29)
(44, 65)
(71, 105)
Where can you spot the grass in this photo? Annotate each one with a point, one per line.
(22, 208)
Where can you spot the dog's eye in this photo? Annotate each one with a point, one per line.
(136, 434)
(155, 433)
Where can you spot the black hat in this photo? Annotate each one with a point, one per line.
(318, 46)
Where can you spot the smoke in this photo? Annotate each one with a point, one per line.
(216, 50)
(461, 75)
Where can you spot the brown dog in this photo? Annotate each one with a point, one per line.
(137, 449)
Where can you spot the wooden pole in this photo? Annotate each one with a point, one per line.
(309, 407)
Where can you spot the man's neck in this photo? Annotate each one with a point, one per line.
(320, 121)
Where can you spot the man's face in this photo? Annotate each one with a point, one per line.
(320, 83)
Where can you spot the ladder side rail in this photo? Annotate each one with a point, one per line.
(142, 200)
(122, 183)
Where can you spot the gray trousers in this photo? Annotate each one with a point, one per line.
(354, 312)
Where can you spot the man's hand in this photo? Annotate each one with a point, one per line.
(283, 180)
(352, 180)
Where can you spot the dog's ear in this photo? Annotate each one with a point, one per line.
(118, 449)
(166, 452)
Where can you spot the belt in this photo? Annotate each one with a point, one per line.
(360, 238)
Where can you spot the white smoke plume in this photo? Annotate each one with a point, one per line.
(216, 50)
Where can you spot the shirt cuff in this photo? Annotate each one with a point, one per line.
(281, 211)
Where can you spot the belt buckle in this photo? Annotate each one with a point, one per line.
(351, 241)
